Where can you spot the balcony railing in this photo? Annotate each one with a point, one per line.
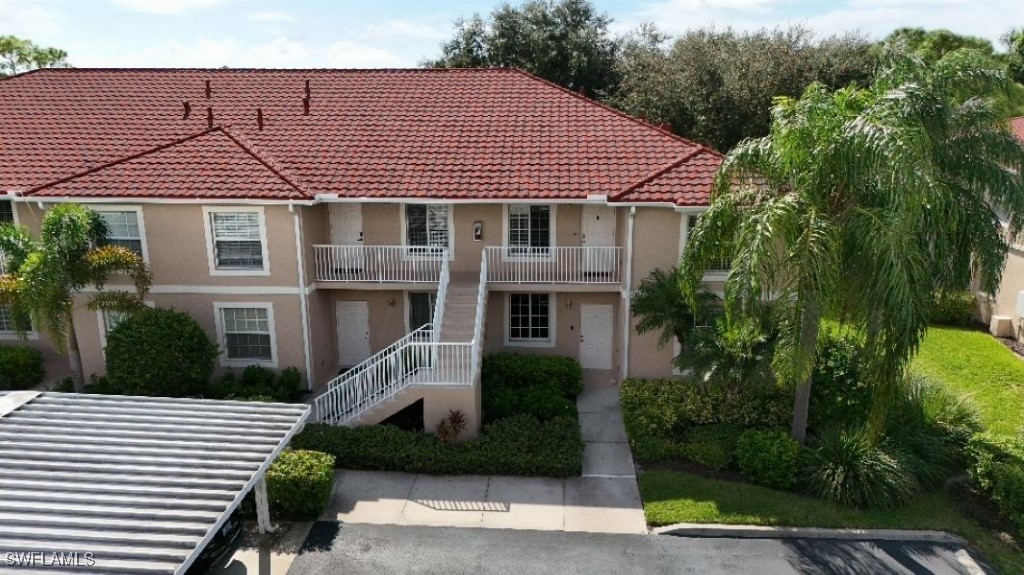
(570, 265)
(378, 264)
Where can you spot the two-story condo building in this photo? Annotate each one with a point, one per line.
(399, 222)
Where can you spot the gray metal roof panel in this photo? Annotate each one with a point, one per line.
(142, 483)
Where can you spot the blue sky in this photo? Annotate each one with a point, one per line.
(390, 33)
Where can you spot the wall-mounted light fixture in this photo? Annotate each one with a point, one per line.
(478, 231)
(391, 301)
(568, 302)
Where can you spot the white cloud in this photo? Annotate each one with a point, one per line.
(168, 7)
(349, 54)
(270, 17)
(31, 19)
(400, 28)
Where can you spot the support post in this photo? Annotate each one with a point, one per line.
(262, 506)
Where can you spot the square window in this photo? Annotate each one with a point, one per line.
(6, 212)
(426, 227)
(247, 335)
(123, 230)
(529, 230)
(237, 240)
(722, 262)
(529, 317)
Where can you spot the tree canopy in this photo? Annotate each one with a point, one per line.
(860, 204)
(564, 41)
(18, 55)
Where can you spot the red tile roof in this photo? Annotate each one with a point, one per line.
(457, 134)
(1017, 127)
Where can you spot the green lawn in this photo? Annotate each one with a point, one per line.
(981, 367)
(673, 497)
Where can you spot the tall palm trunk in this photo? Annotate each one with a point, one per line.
(801, 410)
(74, 355)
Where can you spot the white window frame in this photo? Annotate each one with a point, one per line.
(552, 323)
(218, 318)
(11, 335)
(407, 253)
(138, 217)
(101, 318)
(684, 237)
(211, 255)
(506, 252)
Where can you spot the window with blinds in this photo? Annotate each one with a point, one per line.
(247, 334)
(237, 241)
(426, 227)
(529, 230)
(123, 230)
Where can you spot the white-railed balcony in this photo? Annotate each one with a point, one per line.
(378, 264)
(556, 265)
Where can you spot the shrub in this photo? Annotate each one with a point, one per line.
(956, 308)
(160, 352)
(21, 367)
(844, 465)
(997, 469)
(299, 484)
(711, 445)
(450, 426)
(543, 401)
(520, 445)
(839, 396)
(768, 458)
(259, 382)
(519, 370)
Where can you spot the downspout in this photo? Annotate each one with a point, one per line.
(627, 324)
(303, 296)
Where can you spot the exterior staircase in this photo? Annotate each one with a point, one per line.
(445, 353)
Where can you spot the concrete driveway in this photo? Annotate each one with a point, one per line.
(373, 549)
(605, 499)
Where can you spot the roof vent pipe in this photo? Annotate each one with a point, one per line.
(209, 117)
(188, 108)
(305, 106)
(307, 89)
(259, 118)
(208, 90)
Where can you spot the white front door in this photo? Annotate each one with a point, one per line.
(347, 231)
(596, 336)
(597, 224)
(353, 332)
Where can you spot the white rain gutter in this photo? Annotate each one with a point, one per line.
(300, 263)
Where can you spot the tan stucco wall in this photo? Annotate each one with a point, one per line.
(656, 245)
(1005, 301)
(567, 325)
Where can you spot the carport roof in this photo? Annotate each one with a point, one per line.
(141, 483)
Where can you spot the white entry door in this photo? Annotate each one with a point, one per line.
(597, 224)
(353, 332)
(347, 231)
(596, 336)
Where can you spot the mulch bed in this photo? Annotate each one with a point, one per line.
(1015, 346)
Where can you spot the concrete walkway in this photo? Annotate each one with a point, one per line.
(604, 500)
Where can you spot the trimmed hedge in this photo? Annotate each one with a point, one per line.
(662, 415)
(997, 469)
(520, 384)
(160, 352)
(768, 458)
(518, 445)
(955, 308)
(300, 483)
(21, 367)
(258, 384)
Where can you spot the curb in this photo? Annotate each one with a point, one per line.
(766, 532)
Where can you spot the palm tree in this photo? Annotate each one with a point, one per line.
(43, 277)
(860, 204)
(660, 305)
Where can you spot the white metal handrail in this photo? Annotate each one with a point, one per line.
(378, 264)
(481, 313)
(570, 265)
(450, 363)
(442, 293)
(375, 380)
